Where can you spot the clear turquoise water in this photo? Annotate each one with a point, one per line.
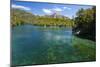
(40, 45)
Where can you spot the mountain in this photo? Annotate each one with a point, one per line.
(19, 17)
(57, 15)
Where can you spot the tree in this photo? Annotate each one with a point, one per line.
(85, 22)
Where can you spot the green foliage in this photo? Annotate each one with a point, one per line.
(19, 17)
(85, 22)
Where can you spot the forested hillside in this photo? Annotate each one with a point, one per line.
(85, 23)
(19, 17)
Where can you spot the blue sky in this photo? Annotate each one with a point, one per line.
(40, 8)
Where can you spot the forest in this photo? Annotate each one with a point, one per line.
(85, 23)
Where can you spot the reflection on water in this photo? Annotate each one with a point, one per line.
(58, 36)
(38, 45)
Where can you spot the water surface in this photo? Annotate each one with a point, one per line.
(40, 45)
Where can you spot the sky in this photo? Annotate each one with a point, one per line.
(40, 8)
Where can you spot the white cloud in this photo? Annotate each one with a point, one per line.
(55, 9)
(52, 10)
(20, 7)
(66, 8)
(61, 9)
(47, 11)
(58, 9)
